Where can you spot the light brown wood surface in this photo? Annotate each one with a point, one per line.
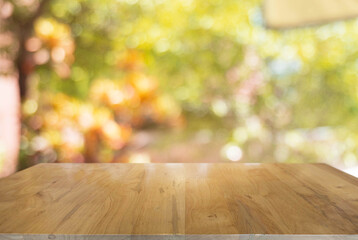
(169, 201)
(299, 13)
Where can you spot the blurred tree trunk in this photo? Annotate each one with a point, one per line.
(9, 125)
(13, 85)
(24, 31)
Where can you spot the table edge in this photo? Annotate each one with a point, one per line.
(13, 236)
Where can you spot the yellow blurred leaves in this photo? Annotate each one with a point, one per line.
(51, 31)
(57, 43)
(95, 130)
(144, 85)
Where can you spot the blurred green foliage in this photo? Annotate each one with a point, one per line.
(262, 95)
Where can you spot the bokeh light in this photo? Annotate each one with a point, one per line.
(177, 81)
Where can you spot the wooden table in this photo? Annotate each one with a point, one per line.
(179, 201)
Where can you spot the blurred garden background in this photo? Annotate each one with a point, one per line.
(173, 81)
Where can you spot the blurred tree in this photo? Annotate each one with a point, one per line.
(102, 71)
(20, 22)
(17, 20)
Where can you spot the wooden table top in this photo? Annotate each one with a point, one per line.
(172, 201)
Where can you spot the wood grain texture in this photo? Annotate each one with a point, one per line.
(175, 237)
(282, 14)
(177, 201)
